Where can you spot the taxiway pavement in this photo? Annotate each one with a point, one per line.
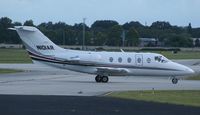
(42, 80)
(79, 105)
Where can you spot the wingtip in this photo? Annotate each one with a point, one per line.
(11, 28)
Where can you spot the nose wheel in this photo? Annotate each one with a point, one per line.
(103, 79)
(174, 80)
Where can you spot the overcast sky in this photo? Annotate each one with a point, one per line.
(177, 12)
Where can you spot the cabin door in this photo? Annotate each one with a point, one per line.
(139, 59)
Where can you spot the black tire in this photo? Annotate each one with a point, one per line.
(174, 80)
(98, 78)
(105, 79)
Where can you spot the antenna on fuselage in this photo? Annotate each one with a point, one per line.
(122, 50)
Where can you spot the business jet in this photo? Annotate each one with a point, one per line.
(102, 64)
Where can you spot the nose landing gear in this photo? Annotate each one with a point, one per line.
(174, 80)
(103, 79)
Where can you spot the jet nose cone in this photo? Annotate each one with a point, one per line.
(183, 70)
(190, 71)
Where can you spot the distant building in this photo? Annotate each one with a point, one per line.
(148, 42)
(196, 42)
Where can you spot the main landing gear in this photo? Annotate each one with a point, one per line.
(174, 80)
(100, 78)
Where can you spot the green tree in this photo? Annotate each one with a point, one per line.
(5, 34)
(114, 36)
(161, 25)
(100, 38)
(28, 23)
(100, 30)
(105, 32)
(179, 40)
(103, 24)
(17, 24)
(132, 24)
(132, 37)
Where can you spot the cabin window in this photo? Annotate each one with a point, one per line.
(129, 60)
(111, 59)
(120, 60)
(148, 60)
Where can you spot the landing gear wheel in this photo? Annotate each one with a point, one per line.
(174, 80)
(105, 79)
(98, 78)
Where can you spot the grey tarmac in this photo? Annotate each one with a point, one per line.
(43, 80)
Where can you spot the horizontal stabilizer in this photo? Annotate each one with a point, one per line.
(26, 28)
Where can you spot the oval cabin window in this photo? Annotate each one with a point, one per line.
(120, 60)
(111, 59)
(129, 60)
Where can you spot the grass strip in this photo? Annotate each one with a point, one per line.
(6, 71)
(189, 98)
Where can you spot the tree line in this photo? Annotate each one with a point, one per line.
(106, 32)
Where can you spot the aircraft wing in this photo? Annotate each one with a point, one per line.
(77, 61)
(112, 71)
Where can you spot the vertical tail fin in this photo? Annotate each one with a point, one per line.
(35, 41)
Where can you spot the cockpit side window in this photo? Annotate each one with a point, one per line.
(160, 59)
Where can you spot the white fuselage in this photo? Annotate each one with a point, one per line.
(135, 64)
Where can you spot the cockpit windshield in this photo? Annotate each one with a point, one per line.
(161, 59)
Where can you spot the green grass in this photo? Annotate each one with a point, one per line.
(14, 56)
(180, 55)
(189, 98)
(5, 71)
(195, 77)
